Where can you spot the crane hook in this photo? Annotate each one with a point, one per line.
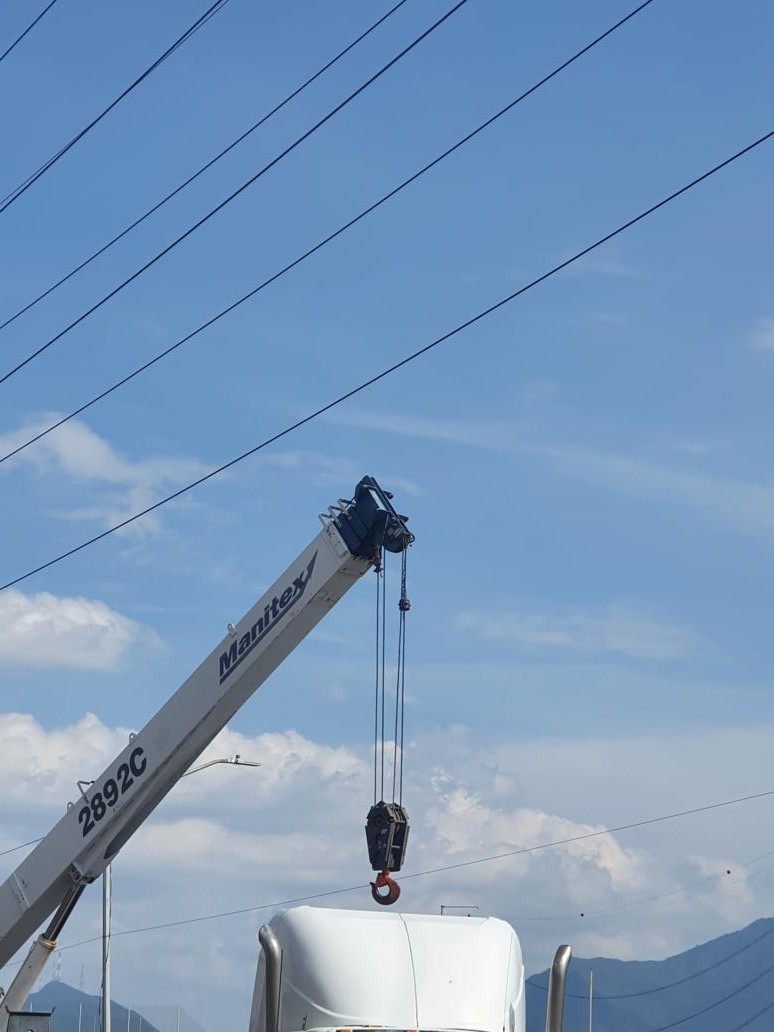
(384, 881)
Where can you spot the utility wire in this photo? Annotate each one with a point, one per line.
(209, 164)
(590, 835)
(758, 1014)
(206, 917)
(717, 1003)
(644, 900)
(397, 365)
(332, 236)
(522, 917)
(219, 207)
(668, 985)
(23, 845)
(442, 870)
(29, 28)
(14, 195)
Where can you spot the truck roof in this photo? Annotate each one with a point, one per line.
(352, 968)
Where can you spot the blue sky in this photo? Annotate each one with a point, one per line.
(586, 471)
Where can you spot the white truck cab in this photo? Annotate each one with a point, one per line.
(342, 970)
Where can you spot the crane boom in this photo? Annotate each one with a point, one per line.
(83, 842)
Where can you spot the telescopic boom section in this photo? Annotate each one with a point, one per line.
(79, 847)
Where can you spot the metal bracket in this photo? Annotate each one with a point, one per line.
(82, 786)
(334, 510)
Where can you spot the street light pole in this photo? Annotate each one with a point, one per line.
(106, 891)
(591, 999)
(235, 761)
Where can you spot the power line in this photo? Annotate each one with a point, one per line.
(207, 917)
(326, 240)
(396, 365)
(22, 845)
(8, 200)
(668, 985)
(758, 1014)
(643, 900)
(209, 164)
(29, 28)
(717, 1003)
(593, 834)
(646, 822)
(192, 229)
(563, 917)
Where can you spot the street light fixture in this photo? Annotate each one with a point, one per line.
(235, 761)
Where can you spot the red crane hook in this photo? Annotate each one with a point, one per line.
(384, 881)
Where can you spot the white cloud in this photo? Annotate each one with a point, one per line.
(607, 265)
(468, 826)
(739, 505)
(613, 630)
(122, 486)
(606, 318)
(762, 338)
(229, 839)
(609, 260)
(44, 630)
(491, 436)
(39, 767)
(331, 471)
(732, 891)
(538, 392)
(736, 504)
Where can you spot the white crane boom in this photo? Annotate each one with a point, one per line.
(79, 847)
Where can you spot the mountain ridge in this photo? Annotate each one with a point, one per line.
(723, 985)
(730, 979)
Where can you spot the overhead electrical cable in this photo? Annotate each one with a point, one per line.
(593, 834)
(173, 193)
(724, 999)
(236, 193)
(8, 200)
(29, 28)
(644, 900)
(522, 917)
(396, 365)
(667, 985)
(758, 1014)
(646, 822)
(22, 845)
(322, 243)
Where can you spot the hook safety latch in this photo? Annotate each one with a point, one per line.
(384, 881)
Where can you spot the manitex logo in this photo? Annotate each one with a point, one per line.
(279, 607)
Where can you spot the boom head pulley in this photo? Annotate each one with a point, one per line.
(370, 522)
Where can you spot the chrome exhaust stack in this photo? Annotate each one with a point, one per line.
(557, 981)
(272, 956)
